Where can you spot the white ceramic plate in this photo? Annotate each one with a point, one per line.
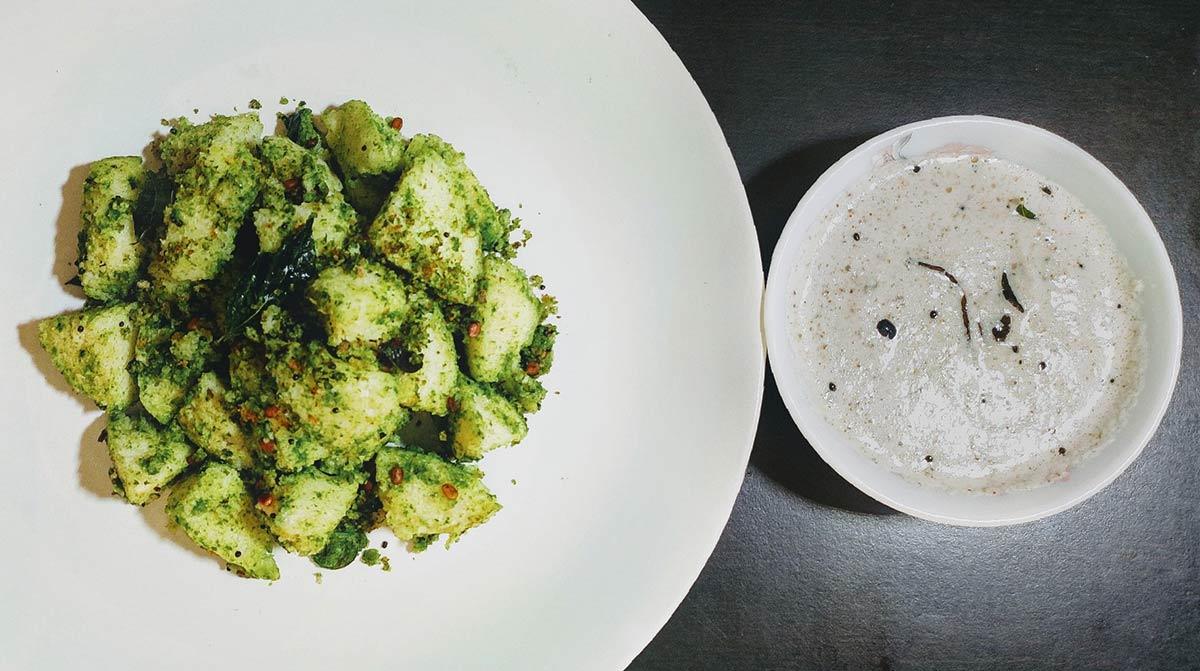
(1136, 239)
(576, 115)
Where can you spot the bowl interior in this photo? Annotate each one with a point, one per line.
(1134, 235)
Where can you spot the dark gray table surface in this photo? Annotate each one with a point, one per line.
(811, 574)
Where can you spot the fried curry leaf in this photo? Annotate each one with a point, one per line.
(271, 278)
(156, 194)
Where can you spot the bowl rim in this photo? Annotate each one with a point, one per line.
(775, 326)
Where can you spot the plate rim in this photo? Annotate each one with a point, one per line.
(750, 229)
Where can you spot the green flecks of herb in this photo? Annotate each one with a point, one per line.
(1024, 211)
(421, 543)
(541, 348)
(283, 100)
(341, 549)
(370, 557)
(318, 577)
(254, 104)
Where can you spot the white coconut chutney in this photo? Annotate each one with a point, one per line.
(968, 323)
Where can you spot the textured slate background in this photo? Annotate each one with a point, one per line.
(810, 574)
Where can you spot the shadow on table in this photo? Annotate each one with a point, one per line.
(780, 450)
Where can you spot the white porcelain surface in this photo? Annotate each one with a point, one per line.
(1135, 237)
(579, 117)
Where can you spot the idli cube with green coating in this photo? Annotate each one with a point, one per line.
(110, 254)
(309, 505)
(431, 223)
(507, 315)
(368, 151)
(483, 420)
(300, 189)
(523, 390)
(168, 360)
(146, 457)
(430, 387)
(207, 417)
(361, 141)
(425, 495)
(215, 510)
(363, 303)
(521, 386)
(248, 371)
(348, 405)
(92, 348)
(212, 145)
(292, 448)
(218, 178)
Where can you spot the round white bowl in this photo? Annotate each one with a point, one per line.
(1131, 230)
